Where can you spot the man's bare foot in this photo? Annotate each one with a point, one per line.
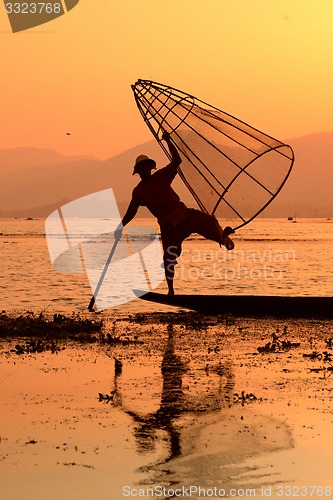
(226, 241)
(171, 292)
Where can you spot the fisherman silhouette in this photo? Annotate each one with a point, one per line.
(177, 221)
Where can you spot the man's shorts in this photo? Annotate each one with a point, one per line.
(195, 222)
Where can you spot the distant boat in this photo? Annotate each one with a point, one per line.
(292, 219)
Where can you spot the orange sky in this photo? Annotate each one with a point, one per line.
(268, 63)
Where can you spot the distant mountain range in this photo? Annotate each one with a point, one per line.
(308, 191)
(34, 182)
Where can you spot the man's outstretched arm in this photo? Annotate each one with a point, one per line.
(129, 215)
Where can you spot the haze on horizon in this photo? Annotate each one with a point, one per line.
(265, 63)
(49, 180)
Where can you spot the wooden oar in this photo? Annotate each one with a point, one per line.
(100, 281)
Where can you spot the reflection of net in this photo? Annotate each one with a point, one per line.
(232, 170)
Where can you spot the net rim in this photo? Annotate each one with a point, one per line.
(183, 96)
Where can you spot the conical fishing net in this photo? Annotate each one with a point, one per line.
(232, 169)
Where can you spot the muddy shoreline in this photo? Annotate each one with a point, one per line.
(171, 399)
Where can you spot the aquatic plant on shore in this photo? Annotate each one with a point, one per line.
(33, 346)
(278, 345)
(57, 326)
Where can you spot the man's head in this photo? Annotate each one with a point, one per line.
(143, 166)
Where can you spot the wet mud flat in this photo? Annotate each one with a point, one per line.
(168, 400)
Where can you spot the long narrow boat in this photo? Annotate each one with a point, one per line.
(248, 305)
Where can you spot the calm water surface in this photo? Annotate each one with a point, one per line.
(271, 257)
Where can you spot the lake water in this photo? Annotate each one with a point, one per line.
(271, 257)
(176, 418)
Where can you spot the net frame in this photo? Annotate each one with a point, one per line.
(156, 102)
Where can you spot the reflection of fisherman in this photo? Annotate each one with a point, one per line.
(176, 221)
(172, 405)
(174, 402)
